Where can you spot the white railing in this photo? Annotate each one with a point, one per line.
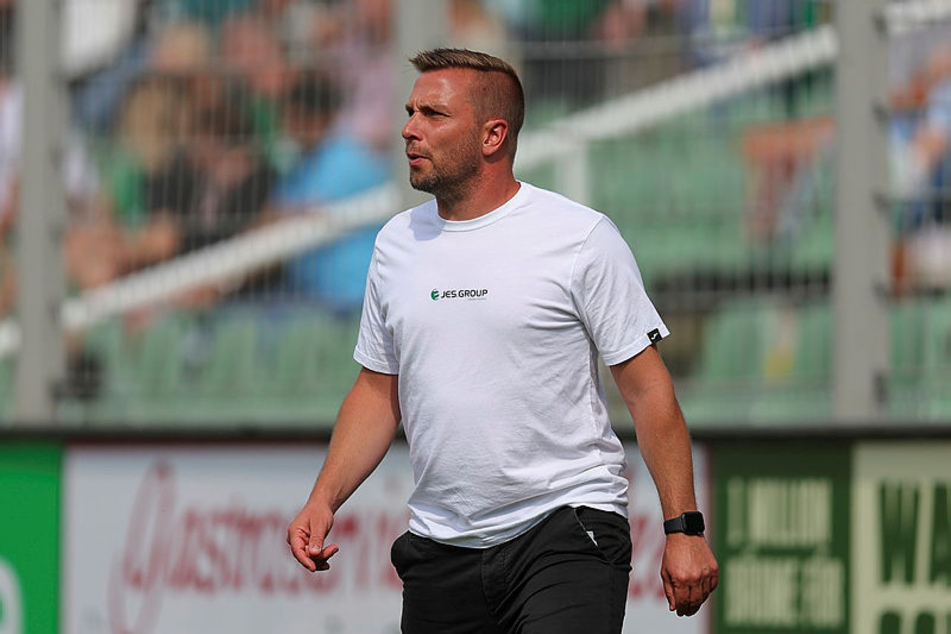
(564, 142)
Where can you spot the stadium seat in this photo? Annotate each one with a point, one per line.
(937, 359)
(159, 357)
(937, 350)
(763, 362)
(907, 337)
(730, 373)
(7, 386)
(231, 369)
(296, 370)
(313, 366)
(106, 342)
(733, 346)
(813, 361)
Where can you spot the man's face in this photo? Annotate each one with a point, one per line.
(443, 133)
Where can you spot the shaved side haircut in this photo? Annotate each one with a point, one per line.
(498, 93)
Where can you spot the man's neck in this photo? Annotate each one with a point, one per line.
(481, 196)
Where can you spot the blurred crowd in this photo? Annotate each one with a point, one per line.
(210, 118)
(213, 118)
(920, 154)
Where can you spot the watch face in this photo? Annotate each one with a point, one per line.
(693, 523)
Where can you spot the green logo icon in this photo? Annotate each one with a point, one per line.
(434, 294)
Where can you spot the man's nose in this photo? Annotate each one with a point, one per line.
(409, 130)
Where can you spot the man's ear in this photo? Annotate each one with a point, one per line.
(494, 134)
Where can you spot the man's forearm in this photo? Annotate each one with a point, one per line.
(365, 428)
(664, 443)
(662, 436)
(689, 570)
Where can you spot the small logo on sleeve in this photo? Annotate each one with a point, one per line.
(654, 335)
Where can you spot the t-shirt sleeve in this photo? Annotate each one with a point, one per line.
(375, 348)
(609, 294)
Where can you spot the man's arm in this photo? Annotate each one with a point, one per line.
(365, 427)
(689, 570)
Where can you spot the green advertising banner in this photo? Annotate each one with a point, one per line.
(782, 538)
(902, 519)
(29, 538)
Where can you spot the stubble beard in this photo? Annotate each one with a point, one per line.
(451, 183)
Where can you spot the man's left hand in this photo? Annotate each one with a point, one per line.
(690, 573)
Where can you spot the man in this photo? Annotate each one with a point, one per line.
(484, 315)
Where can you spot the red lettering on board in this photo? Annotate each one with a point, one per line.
(233, 549)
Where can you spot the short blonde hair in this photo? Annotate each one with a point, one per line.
(501, 96)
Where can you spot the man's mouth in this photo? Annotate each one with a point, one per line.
(413, 154)
(415, 158)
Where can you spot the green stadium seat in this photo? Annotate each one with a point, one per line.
(159, 358)
(920, 333)
(798, 343)
(296, 370)
(313, 365)
(936, 376)
(907, 332)
(730, 376)
(813, 362)
(763, 362)
(937, 349)
(7, 387)
(733, 347)
(106, 341)
(232, 368)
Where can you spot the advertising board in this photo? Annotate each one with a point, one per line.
(29, 538)
(902, 545)
(192, 539)
(782, 536)
(181, 539)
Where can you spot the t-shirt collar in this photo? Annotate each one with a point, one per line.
(486, 219)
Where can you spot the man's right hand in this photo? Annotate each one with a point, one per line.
(306, 535)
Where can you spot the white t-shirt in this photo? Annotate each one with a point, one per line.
(494, 326)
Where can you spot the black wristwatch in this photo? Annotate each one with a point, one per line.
(689, 523)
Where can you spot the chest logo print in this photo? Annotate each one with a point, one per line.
(460, 293)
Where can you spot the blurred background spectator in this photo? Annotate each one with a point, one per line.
(333, 165)
(921, 159)
(11, 116)
(353, 46)
(253, 58)
(549, 28)
(474, 27)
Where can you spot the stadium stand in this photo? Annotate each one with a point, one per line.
(708, 139)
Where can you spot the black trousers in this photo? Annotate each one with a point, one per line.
(568, 574)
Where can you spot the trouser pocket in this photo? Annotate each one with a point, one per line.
(609, 532)
(397, 553)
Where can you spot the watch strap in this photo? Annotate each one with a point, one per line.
(689, 523)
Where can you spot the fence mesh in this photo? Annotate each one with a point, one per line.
(200, 130)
